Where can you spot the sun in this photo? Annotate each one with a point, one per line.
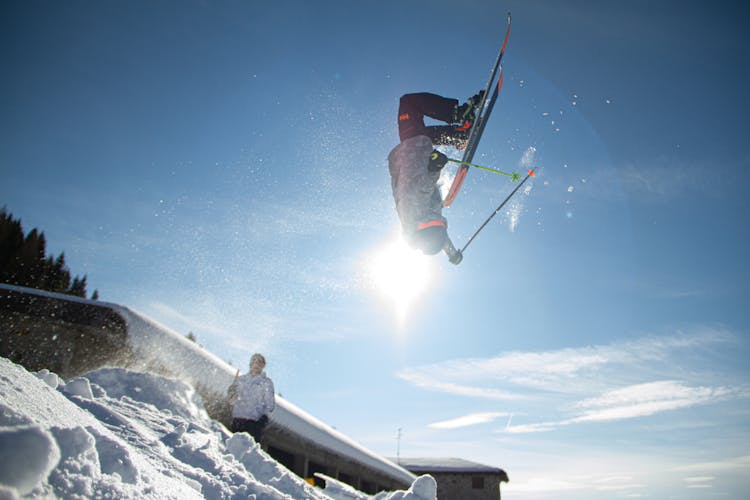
(400, 274)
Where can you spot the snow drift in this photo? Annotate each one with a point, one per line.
(123, 434)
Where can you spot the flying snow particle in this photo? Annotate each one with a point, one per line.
(527, 160)
(514, 214)
(570, 189)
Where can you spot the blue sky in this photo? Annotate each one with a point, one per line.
(221, 167)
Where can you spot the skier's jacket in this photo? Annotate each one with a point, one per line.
(252, 397)
(414, 186)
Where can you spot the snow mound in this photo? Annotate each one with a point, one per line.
(423, 488)
(115, 433)
(28, 454)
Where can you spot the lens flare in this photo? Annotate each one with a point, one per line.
(400, 274)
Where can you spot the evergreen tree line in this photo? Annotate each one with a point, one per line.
(24, 262)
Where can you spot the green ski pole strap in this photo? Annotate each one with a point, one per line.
(514, 176)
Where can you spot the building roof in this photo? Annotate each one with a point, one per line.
(427, 465)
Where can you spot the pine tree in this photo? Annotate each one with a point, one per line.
(78, 288)
(31, 260)
(23, 261)
(11, 241)
(60, 275)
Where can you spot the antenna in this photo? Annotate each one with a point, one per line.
(398, 447)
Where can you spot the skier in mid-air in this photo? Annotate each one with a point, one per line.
(415, 167)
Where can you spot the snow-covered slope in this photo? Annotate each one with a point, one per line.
(117, 433)
(157, 349)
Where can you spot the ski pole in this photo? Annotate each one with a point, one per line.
(531, 173)
(515, 176)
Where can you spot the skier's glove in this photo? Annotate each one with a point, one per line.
(437, 161)
(456, 257)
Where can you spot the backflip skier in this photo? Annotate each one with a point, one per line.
(415, 167)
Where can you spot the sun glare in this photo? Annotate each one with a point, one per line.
(400, 274)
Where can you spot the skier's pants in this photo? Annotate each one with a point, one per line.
(253, 427)
(414, 107)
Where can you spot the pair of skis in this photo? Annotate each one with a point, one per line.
(485, 109)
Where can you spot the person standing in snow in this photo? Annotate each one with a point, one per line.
(252, 399)
(415, 167)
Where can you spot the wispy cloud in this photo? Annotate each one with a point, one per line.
(426, 382)
(635, 401)
(570, 370)
(646, 399)
(622, 486)
(699, 482)
(601, 383)
(741, 463)
(468, 420)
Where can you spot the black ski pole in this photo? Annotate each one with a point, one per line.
(500, 207)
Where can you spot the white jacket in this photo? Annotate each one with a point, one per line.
(253, 397)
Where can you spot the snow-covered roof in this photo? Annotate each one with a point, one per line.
(445, 465)
(204, 366)
(303, 424)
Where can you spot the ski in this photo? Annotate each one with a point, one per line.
(531, 173)
(477, 129)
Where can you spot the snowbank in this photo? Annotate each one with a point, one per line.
(123, 434)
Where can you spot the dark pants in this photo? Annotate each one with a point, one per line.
(253, 427)
(414, 107)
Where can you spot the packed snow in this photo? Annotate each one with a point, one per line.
(115, 433)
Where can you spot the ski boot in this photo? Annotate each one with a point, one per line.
(465, 114)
